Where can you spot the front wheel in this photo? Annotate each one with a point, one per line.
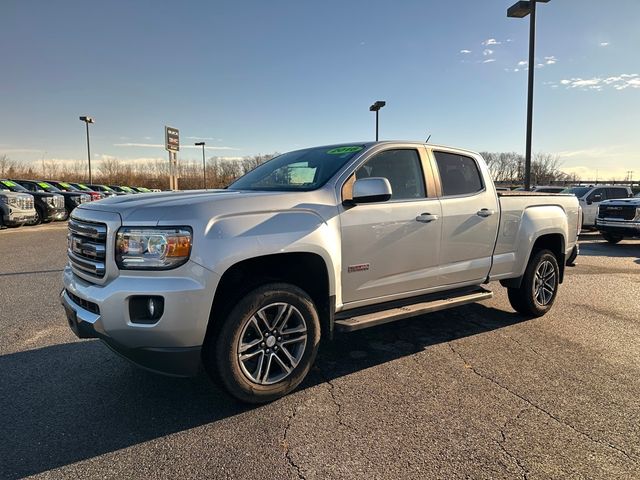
(266, 345)
(612, 238)
(539, 286)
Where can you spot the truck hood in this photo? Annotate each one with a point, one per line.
(187, 207)
(635, 201)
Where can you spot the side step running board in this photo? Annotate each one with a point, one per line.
(366, 320)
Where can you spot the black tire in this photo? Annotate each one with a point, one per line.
(221, 357)
(612, 237)
(39, 217)
(528, 299)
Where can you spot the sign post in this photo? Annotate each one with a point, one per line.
(172, 145)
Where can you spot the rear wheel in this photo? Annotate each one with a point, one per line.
(539, 286)
(612, 237)
(266, 345)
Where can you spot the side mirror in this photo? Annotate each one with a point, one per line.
(595, 198)
(372, 189)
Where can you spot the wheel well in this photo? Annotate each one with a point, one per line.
(553, 242)
(307, 271)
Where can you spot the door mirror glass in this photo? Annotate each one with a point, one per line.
(596, 197)
(371, 189)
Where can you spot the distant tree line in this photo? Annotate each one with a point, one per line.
(508, 168)
(155, 174)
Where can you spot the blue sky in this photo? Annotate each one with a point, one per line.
(257, 77)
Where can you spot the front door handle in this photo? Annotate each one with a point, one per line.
(485, 212)
(426, 218)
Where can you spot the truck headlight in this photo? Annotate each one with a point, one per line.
(152, 248)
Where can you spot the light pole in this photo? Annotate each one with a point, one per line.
(204, 167)
(376, 108)
(521, 9)
(87, 121)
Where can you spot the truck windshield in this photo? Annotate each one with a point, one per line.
(302, 170)
(577, 191)
(13, 186)
(48, 187)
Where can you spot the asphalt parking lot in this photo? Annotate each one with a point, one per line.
(475, 392)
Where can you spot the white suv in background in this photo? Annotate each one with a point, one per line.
(591, 196)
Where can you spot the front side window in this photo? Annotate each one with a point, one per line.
(402, 168)
(459, 174)
(597, 195)
(302, 170)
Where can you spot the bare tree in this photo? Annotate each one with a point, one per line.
(6, 164)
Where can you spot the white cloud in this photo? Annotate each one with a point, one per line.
(491, 41)
(465, 51)
(489, 60)
(604, 44)
(160, 145)
(619, 82)
(200, 138)
(487, 51)
(523, 63)
(550, 60)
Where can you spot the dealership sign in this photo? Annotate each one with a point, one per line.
(172, 139)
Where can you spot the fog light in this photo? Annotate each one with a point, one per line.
(146, 309)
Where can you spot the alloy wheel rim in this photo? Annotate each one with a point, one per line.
(272, 343)
(544, 285)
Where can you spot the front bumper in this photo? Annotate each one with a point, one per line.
(53, 213)
(19, 217)
(170, 346)
(624, 228)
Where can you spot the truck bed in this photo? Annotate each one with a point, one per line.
(522, 193)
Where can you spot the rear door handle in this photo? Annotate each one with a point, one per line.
(485, 212)
(426, 218)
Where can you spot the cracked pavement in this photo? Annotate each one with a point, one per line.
(476, 392)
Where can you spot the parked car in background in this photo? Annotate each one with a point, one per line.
(122, 189)
(67, 187)
(16, 209)
(591, 196)
(109, 192)
(49, 206)
(619, 219)
(548, 189)
(246, 280)
(142, 189)
(71, 199)
(84, 189)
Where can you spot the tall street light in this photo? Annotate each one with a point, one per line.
(376, 108)
(87, 121)
(204, 167)
(520, 10)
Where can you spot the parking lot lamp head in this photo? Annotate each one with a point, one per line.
(376, 108)
(87, 120)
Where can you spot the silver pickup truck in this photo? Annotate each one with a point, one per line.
(16, 209)
(245, 281)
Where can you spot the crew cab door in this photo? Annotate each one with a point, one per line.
(590, 205)
(391, 248)
(470, 218)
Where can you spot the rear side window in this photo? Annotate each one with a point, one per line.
(459, 174)
(617, 193)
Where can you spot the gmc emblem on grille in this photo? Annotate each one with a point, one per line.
(614, 208)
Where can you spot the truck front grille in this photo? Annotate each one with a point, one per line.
(621, 212)
(58, 201)
(25, 202)
(87, 250)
